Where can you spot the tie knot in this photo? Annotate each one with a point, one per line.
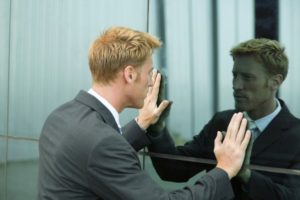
(250, 123)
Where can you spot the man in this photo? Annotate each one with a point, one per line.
(260, 67)
(84, 154)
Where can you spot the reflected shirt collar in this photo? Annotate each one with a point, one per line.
(107, 105)
(263, 122)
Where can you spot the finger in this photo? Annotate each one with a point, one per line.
(154, 74)
(241, 133)
(155, 88)
(153, 78)
(236, 125)
(163, 105)
(246, 140)
(149, 92)
(218, 139)
(228, 133)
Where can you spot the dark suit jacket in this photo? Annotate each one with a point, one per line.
(277, 146)
(82, 156)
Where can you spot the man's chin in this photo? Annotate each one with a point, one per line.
(241, 107)
(136, 105)
(139, 105)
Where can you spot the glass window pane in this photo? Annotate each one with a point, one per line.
(177, 26)
(288, 32)
(49, 47)
(3, 148)
(185, 58)
(235, 24)
(22, 169)
(4, 60)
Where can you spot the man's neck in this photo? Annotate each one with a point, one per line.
(110, 93)
(267, 108)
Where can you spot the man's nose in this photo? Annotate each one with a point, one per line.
(237, 83)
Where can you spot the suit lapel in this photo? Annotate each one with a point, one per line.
(273, 131)
(90, 101)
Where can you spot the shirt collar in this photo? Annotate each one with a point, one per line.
(107, 105)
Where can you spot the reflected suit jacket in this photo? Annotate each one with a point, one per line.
(83, 156)
(277, 146)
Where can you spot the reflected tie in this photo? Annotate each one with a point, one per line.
(252, 126)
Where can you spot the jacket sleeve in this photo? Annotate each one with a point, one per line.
(135, 136)
(201, 146)
(114, 173)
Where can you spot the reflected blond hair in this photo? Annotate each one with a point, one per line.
(117, 48)
(268, 52)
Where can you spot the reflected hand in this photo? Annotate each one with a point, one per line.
(245, 173)
(159, 125)
(154, 108)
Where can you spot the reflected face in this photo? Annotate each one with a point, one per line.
(143, 82)
(251, 90)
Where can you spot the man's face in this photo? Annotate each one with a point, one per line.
(143, 82)
(251, 89)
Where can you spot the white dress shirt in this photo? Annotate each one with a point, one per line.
(108, 106)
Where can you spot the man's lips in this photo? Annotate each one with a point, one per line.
(240, 97)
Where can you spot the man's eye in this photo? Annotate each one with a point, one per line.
(247, 77)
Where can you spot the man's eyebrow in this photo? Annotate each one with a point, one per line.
(243, 73)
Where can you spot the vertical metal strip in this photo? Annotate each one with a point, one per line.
(8, 97)
(147, 27)
(192, 66)
(215, 56)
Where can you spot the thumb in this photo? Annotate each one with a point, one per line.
(218, 139)
(163, 105)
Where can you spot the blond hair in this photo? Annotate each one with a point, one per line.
(117, 48)
(268, 52)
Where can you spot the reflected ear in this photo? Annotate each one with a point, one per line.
(130, 74)
(275, 81)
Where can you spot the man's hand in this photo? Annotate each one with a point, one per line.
(230, 152)
(245, 173)
(154, 106)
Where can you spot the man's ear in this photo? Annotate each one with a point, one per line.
(275, 81)
(130, 74)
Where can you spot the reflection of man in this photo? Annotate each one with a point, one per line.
(82, 152)
(260, 66)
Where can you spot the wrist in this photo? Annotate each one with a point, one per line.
(229, 172)
(142, 124)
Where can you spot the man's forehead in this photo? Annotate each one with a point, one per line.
(247, 64)
(245, 69)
